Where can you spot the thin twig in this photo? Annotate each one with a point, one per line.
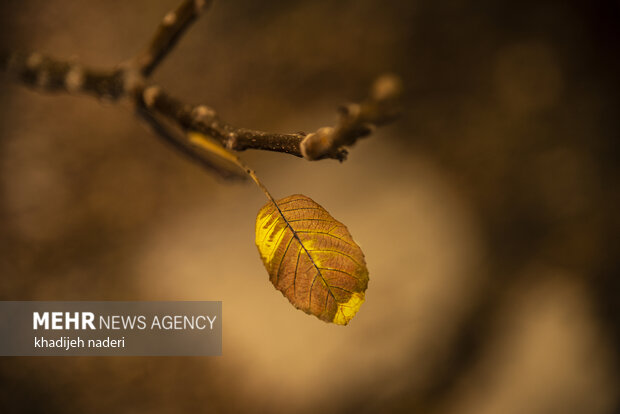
(356, 121)
(178, 139)
(52, 75)
(204, 119)
(168, 34)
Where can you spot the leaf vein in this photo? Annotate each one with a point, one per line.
(339, 252)
(266, 217)
(341, 288)
(302, 208)
(297, 199)
(295, 274)
(316, 219)
(304, 247)
(341, 271)
(328, 234)
(282, 259)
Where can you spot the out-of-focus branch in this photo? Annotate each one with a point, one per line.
(175, 137)
(204, 119)
(168, 34)
(52, 75)
(356, 121)
(172, 118)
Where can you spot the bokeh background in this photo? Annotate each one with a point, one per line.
(487, 213)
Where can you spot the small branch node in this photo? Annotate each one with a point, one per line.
(352, 110)
(150, 94)
(74, 79)
(169, 19)
(199, 5)
(386, 87)
(34, 60)
(231, 141)
(203, 113)
(318, 144)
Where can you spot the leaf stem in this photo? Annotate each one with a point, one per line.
(204, 143)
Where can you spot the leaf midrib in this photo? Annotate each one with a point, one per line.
(309, 256)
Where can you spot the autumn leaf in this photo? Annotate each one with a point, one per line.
(311, 258)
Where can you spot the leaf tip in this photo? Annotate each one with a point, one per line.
(346, 311)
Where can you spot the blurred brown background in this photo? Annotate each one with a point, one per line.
(487, 213)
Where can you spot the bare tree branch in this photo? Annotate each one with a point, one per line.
(153, 104)
(177, 138)
(52, 75)
(168, 34)
(356, 121)
(204, 119)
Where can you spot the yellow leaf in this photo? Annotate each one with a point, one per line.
(209, 144)
(311, 258)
